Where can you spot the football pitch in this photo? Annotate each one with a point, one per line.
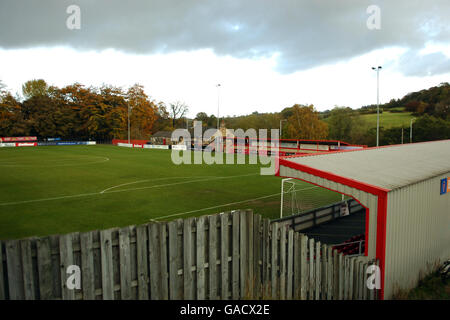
(63, 189)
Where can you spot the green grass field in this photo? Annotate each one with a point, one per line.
(388, 119)
(62, 189)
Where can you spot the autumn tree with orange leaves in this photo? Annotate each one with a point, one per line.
(304, 123)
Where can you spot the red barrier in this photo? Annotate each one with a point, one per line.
(133, 141)
(26, 144)
(14, 139)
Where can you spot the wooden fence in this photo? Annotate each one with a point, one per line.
(232, 255)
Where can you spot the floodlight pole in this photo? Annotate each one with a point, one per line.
(218, 100)
(378, 103)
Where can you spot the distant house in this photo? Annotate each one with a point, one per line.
(161, 137)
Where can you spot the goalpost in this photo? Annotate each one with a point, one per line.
(298, 196)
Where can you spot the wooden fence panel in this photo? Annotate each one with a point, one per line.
(212, 263)
(188, 280)
(142, 262)
(87, 266)
(154, 254)
(14, 269)
(44, 262)
(236, 255)
(66, 256)
(249, 274)
(125, 263)
(257, 263)
(224, 234)
(235, 265)
(312, 283)
(173, 261)
(318, 271)
(200, 247)
(243, 254)
(266, 259)
(303, 268)
(290, 264)
(27, 269)
(274, 261)
(2, 279)
(107, 264)
(283, 262)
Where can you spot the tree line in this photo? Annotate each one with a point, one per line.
(101, 113)
(79, 112)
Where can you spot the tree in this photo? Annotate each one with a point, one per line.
(177, 111)
(340, 123)
(34, 88)
(143, 111)
(305, 123)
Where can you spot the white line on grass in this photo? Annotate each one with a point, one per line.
(225, 205)
(183, 182)
(141, 181)
(133, 189)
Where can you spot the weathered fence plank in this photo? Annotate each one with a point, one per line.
(303, 268)
(297, 247)
(266, 259)
(14, 268)
(290, 264)
(224, 234)
(200, 247)
(125, 263)
(107, 264)
(154, 254)
(235, 262)
(274, 261)
(330, 275)
(27, 269)
(312, 280)
(173, 261)
(87, 266)
(318, 272)
(283, 262)
(243, 253)
(257, 257)
(250, 280)
(212, 264)
(2, 281)
(66, 256)
(44, 262)
(188, 280)
(142, 262)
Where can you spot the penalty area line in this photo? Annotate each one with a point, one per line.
(224, 205)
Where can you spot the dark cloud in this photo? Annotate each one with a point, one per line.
(414, 64)
(305, 33)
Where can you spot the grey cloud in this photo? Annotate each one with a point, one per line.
(305, 33)
(414, 64)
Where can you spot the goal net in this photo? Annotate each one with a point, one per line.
(298, 197)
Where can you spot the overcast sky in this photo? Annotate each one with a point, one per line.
(267, 55)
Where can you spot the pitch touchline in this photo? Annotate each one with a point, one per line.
(103, 192)
(225, 205)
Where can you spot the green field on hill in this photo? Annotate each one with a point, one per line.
(62, 189)
(388, 119)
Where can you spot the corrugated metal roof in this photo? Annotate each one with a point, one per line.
(386, 167)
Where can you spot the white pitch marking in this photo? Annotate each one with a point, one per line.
(224, 205)
(178, 183)
(104, 159)
(99, 193)
(141, 181)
